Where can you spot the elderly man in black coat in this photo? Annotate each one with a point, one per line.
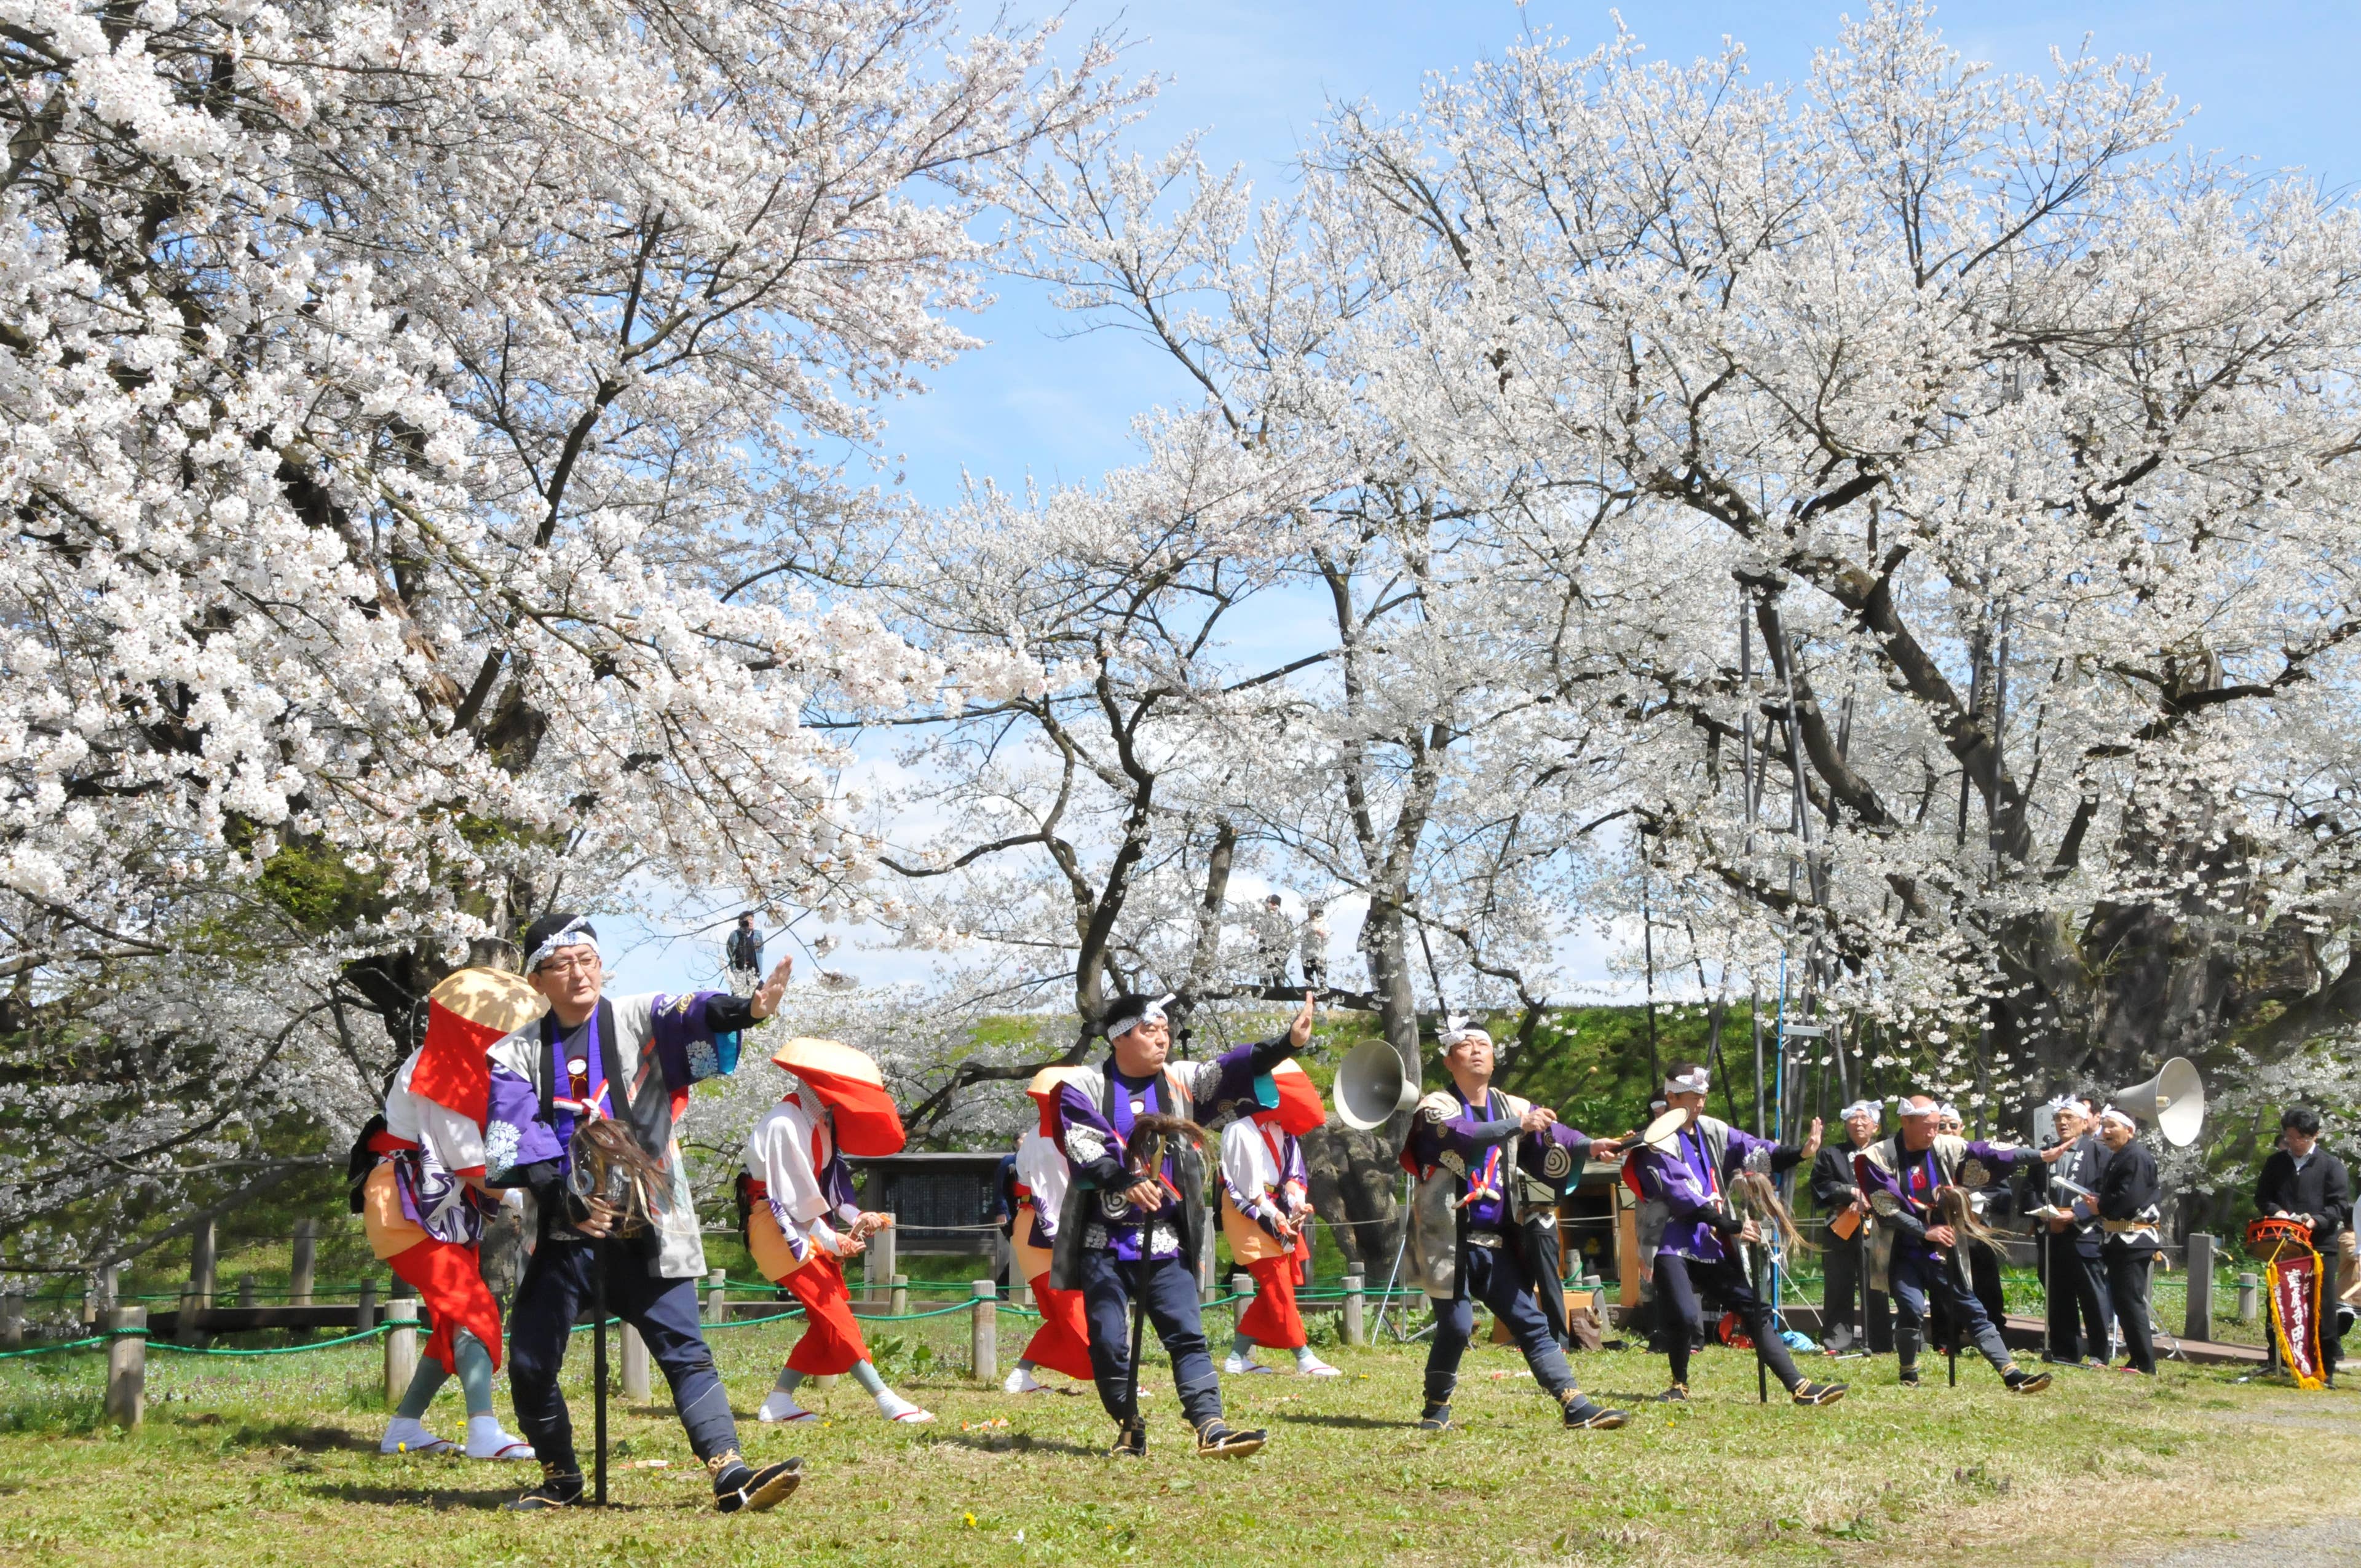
(1847, 1304)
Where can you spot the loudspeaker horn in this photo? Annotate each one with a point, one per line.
(1371, 1086)
(2174, 1100)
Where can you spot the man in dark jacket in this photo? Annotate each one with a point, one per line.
(2074, 1270)
(2128, 1209)
(2303, 1181)
(1847, 1303)
(742, 954)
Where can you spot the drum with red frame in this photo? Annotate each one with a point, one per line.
(2266, 1238)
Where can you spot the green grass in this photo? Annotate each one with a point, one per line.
(273, 1461)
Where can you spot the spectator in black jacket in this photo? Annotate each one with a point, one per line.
(2303, 1181)
(2129, 1209)
(742, 954)
(1847, 1302)
(2074, 1269)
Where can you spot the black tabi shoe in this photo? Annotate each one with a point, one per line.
(1678, 1394)
(1811, 1393)
(561, 1486)
(1910, 1378)
(1216, 1440)
(1436, 1417)
(738, 1487)
(1130, 1440)
(2020, 1381)
(1585, 1414)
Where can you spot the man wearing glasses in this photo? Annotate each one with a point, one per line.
(631, 1059)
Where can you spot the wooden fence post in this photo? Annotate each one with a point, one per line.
(364, 1315)
(127, 1366)
(203, 1257)
(878, 1267)
(717, 1296)
(900, 1304)
(635, 1364)
(984, 1333)
(300, 1264)
(245, 1289)
(2250, 1296)
(12, 1320)
(2198, 1323)
(401, 1349)
(1357, 1307)
(1242, 1289)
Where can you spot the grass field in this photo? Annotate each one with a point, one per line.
(273, 1461)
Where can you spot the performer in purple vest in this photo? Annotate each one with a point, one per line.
(1902, 1177)
(1703, 1232)
(1483, 1160)
(1126, 1235)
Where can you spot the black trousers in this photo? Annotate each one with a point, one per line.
(2080, 1307)
(557, 1286)
(1679, 1281)
(1841, 1300)
(2128, 1269)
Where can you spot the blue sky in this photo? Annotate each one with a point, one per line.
(2269, 82)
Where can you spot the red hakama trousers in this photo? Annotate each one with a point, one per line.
(1272, 1321)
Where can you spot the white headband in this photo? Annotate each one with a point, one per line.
(1861, 1108)
(1951, 1111)
(1456, 1029)
(2112, 1114)
(1153, 1013)
(1688, 1083)
(577, 933)
(1908, 1109)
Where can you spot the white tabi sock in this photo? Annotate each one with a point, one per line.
(406, 1435)
(894, 1408)
(487, 1440)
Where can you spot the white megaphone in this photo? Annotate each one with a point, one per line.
(1371, 1086)
(2174, 1100)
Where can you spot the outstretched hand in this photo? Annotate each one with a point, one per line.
(1811, 1143)
(1298, 1033)
(767, 995)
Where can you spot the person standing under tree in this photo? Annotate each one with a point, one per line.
(1848, 1256)
(1273, 935)
(631, 1060)
(2303, 1181)
(742, 954)
(2079, 1311)
(2129, 1208)
(1312, 947)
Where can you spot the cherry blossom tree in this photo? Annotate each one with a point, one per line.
(2017, 450)
(416, 419)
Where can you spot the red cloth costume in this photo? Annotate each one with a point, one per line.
(832, 1341)
(1272, 1321)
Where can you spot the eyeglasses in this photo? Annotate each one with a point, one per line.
(569, 967)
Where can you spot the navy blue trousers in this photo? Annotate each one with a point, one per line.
(555, 1289)
(1166, 1287)
(1915, 1274)
(1678, 1279)
(1496, 1276)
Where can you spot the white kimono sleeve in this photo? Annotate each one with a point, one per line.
(778, 1155)
(1246, 1167)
